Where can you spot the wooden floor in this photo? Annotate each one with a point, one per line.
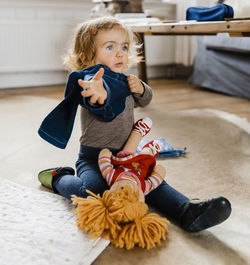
(179, 95)
(170, 94)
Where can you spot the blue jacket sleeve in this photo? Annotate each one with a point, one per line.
(57, 126)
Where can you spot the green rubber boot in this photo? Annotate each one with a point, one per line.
(47, 176)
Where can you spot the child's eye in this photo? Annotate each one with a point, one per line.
(125, 48)
(110, 47)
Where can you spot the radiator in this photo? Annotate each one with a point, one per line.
(33, 37)
(30, 46)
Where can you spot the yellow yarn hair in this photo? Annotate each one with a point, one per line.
(120, 217)
(93, 214)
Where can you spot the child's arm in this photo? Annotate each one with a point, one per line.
(104, 162)
(94, 88)
(155, 179)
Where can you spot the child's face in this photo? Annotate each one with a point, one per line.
(112, 49)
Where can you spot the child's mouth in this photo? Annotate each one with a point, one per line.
(118, 64)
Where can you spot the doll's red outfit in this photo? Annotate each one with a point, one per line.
(137, 169)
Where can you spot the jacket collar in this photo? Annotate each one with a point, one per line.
(93, 69)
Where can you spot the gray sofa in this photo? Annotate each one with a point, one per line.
(222, 64)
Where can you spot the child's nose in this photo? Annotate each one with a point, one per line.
(119, 53)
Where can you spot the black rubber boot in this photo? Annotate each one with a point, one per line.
(198, 215)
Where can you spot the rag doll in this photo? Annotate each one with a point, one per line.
(120, 214)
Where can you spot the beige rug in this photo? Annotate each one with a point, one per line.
(216, 163)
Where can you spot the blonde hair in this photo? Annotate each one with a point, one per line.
(83, 51)
(120, 217)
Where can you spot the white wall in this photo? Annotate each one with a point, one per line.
(159, 50)
(241, 7)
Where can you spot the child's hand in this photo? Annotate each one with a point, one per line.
(94, 88)
(135, 84)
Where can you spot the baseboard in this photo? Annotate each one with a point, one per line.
(169, 71)
(32, 79)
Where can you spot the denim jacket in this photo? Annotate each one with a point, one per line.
(57, 126)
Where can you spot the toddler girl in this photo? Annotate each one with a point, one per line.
(103, 49)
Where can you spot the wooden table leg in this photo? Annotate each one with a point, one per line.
(142, 67)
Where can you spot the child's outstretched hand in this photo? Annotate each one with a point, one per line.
(94, 88)
(135, 84)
